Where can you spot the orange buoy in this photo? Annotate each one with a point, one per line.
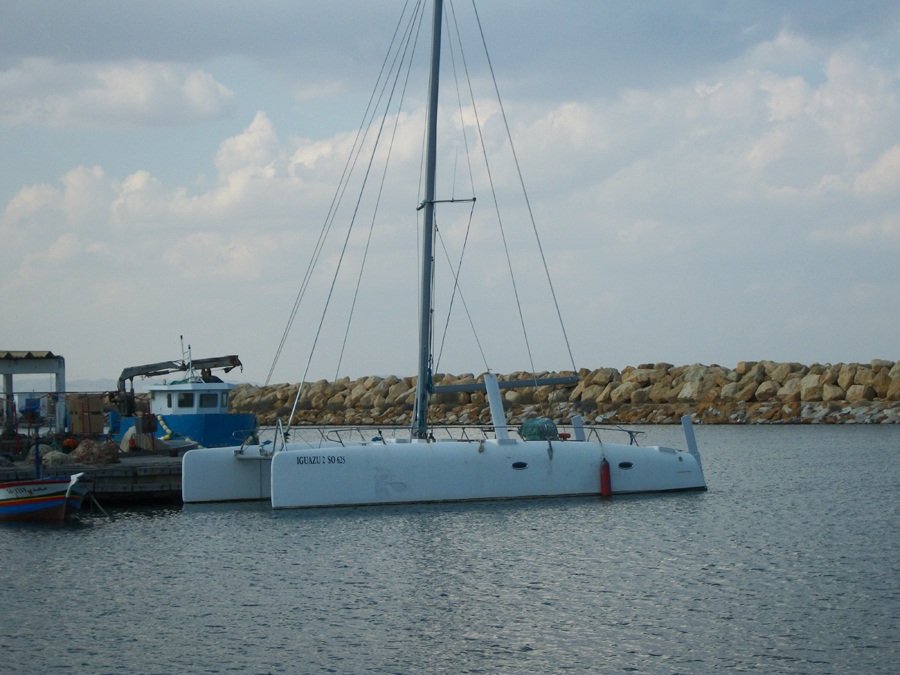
(605, 482)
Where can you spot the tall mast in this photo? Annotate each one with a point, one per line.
(422, 384)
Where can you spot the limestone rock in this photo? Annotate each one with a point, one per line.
(730, 391)
(860, 392)
(881, 382)
(829, 376)
(790, 390)
(832, 392)
(756, 374)
(893, 392)
(606, 395)
(659, 392)
(744, 367)
(646, 376)
(694, 390)
(810, 387)
(767, 391)
(747, 391)
(592, 392)
(603, 376)
(863, 376)
(846, 376)
(558, 396)
(641, 395)
(780, 372)
(622, 393)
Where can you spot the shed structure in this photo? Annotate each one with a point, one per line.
(31, 363)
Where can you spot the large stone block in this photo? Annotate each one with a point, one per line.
(659, 392)
(748, 391)
(743, 367)
(847, 375)
(790, 390)
(893, 392)
(780, 372)
(811, 388)
(881, 382)
(592, 392)
(860, 392)
(603, 376)
(828, 377)
(756, 374)
(622, 393)
(832, 392)
(696, 373)
(863, 376)
(642, 376)
(641, 395)
(767, 391)
(730, 391)
(606, 395)
(694, 390)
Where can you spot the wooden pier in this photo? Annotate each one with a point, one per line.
(133, 480)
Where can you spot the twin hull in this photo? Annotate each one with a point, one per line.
(404, 472)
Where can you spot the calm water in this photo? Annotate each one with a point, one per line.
(790, 563)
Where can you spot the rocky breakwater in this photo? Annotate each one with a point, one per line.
(753, 392)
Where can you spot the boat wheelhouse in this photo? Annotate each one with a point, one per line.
(190, 410)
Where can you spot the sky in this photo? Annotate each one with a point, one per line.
(712, 182)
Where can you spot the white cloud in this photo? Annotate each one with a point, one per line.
(883, 177)
(42, 92)
(214, 255)
(882, 232)
(87, 193)
(142, 201)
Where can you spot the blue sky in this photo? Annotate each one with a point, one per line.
(713, 181)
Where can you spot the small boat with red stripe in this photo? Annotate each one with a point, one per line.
(42, 500)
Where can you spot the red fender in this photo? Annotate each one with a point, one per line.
(605, 481)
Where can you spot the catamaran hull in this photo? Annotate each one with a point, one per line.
(225, 475)
(395, 473)
(472, 471)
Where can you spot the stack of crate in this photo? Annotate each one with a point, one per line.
(86, 413)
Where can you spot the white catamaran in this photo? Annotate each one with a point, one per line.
(418, 468)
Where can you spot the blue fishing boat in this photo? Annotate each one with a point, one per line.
(192, 410)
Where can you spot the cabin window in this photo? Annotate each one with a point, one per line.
(209, 400)
(225, 399)
(168, 400)
(186, 399)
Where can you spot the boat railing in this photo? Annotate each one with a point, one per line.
(343, 435)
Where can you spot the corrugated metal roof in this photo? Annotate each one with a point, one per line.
(27, 355)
